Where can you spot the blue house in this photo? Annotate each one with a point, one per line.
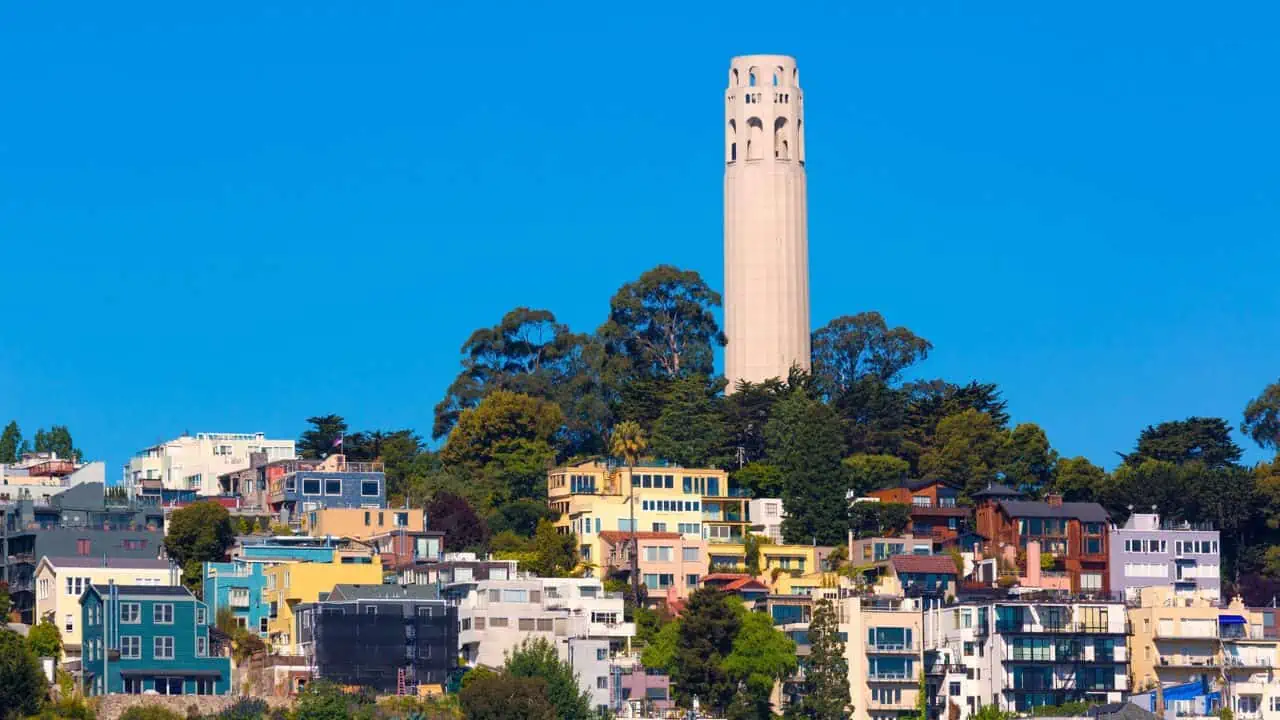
(145, 638)
(298, 486)
(238, 585)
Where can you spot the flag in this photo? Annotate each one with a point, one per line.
(337, 442)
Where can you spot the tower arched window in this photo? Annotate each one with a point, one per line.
(733, 152)
(781, 150)
(733, 77)
(751, 78)
(755, 134)
(775, 79)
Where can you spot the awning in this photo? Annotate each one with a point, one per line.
(1231, 620)
(172, 673)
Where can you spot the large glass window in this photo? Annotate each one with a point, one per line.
(311, 486)
(333, 486)
(369, 488)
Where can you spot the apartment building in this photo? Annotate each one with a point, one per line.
(883, 648)
(297, 487)
(935, 514)
(288, 584)
(1180, 639)
(666, 561)
(583, 622)
(1149, 552)
(1025, 653)
(595, 497)
(863, 551)
(767, 515)
(361, 523)
(456, 574)
(1074, 534)
(61, 581)
(36, 476)
(194, 462)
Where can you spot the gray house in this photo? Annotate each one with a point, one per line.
(1147, 552)
(78, 522)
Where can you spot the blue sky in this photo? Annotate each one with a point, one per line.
(229, 217)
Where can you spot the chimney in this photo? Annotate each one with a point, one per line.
(1053, 499)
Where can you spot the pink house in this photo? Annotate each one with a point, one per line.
(668, 562)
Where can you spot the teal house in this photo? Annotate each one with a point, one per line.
(148, 638)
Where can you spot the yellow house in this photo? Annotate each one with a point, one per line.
(786, 569)
(594, 497)
(291, 583)
(361, 523)
(60, 581)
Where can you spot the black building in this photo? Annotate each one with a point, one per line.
(387, 637)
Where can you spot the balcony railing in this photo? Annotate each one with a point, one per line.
(1181, 661)
(894, 648)
(883, 676)
(1059, 629)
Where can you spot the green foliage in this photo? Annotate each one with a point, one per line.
(760, 479)
(319, 440)
(45, 640)
(804, 440)
(1048, 561)
(501, 696)
(1224, 713)
(1078, 480)
(537, 658)
(966, 451)
(6, 602)
(864, 473)
(520, 517)
(1196, 439)
(244, 643)
(1027, 461)
(445, 707)
(57, 439)
(648, 623)
(507, 437)
(245, 709)
(878, 519)
(200, 532)
(751, 551)
(1067, 709)
(462, 527)
(660, 652)
(554, 554)
(628, 441)
(322, 700)
(827, 670)
(22, 683)
(852, 347)
(150, 712)
(663, 325)
(691, 429)
(992, 712)
(10, 442)
(705, 636)
(1261, 418)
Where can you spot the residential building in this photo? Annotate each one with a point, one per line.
(1025, 653)
(405, 548)
(743, 586)
(193, 463)
(392, 638)
(1147, 552)
(1179, 639)
(61, 581)
(361, 523)
(933, 577)
(935, 513)
(456, 574)
(78, 522)
(666, 560)
(1195, 699)
(289, 547)
(237, 587)
(863, 551)
(141, 639)
(593, 497)
(286, 585)
(1074, 534)
(582, 621)
(36, 476)
(296, 487)
(884, 653)
(639, 691)
(766, 516)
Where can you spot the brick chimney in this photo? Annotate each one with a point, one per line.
(1053, 499)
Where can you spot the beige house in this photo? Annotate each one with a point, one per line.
(60, 581)
(884, 652)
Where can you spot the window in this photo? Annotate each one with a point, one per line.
(657, 554)
(333, 486)
(132, 685)
(382, 520)
(162, 613)
(130, 613)
(544, 624)
(369, 488)
(660, 527)
(691, 580)
(602, 654)
(402, 519)
(602, 682)
(310, 486)
(262, 625)
(163, 647)
(67, 624)
(370, 609)
(200, 615)
(498, 622)
(479, 623)
(921, 501)
(83, 546)
(204, 686)
(954, 689)
(625, 524)
(690, 554)
(134, 544)
(290, 485)
(202, 647)
(690, 528)
(1275, 703)
(525, 624)
(658, 581)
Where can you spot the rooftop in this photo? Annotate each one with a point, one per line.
(994, 490)
(110, 562)
(1083, 511)
(151, 590)
(349, 593)
(937, 564)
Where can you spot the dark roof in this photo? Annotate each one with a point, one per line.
(939, 564)
(349, 593)
(109, 562)
(1121, 711)
(156, 590)
(997, 490)
(1083, 511)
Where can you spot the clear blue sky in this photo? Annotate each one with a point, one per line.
(229, 218)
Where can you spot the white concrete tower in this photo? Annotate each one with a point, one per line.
(766, 225)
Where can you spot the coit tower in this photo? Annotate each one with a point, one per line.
(766, 227)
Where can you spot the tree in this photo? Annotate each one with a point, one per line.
(966, 450)
(501, 696)
(805, 442)
(521, 517)
(664, 324)
(855, 346)
(660, 652)
(627, 441)
(875, 519)
(1026, 461)
(322, 438)
(323, 700)
(555, 555)
(1200, 439)
(760, 479)
(462, 528)
(398, 452)
(875, 417)
(22, 682)
(864, 473)
(708, 627)
(57, 439)
(45, 640)
(751, 553)
(827, 670)
(690, 430)
(198, 533)
(746, 411)
(1261, 418)
(538, 659)
(760, 656)
(1078, 480)
(992, 712)
(10, 442)
(1151, 486)
(6, 602)
(894, 518)
(508, 437)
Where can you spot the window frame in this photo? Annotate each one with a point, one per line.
(157, 645)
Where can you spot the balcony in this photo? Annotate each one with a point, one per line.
(1189, 661)
(1061, 629)
(893, 648)
(891, 677)
(1248, 661)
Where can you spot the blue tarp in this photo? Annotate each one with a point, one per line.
(1231, 620)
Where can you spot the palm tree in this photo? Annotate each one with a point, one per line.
(627, 441)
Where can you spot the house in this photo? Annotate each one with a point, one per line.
(935, 512)
(666, 560)
(296, 487)
(1147, 552)
(193, 463)
(932, 576)
(61, 581)
(286, 585)
(146, 638)
(741, 584)
(385, 637)
(884, 654)
(1073, 534)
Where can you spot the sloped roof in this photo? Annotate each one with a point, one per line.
(997, 490)
(349, 592)
(937, 564)
(109, 562)
(1083, 511)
